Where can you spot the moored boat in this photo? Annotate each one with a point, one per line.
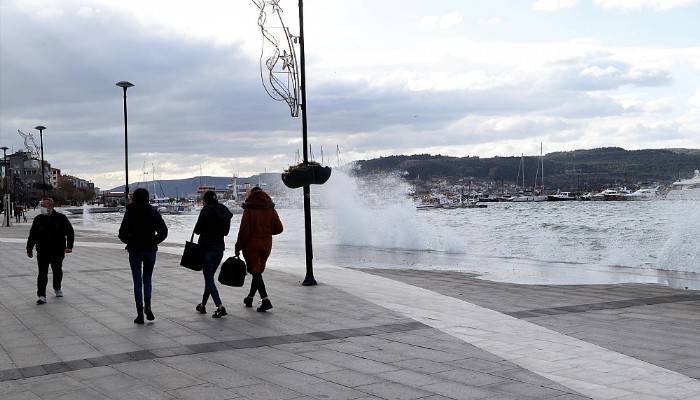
(643, 194)
(561, 196)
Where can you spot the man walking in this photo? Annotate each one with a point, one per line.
(52, 234)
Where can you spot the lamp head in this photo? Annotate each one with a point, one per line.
(125, 84)
(3, 148)
(40, 127)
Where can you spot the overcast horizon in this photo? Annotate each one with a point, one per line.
(452, 77)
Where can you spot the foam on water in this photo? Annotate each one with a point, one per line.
(379, 214)
(681, 251)
(87, 217)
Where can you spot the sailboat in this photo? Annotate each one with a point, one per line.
(540, 196)
(522, 196)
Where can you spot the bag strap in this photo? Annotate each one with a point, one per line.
(192, 237)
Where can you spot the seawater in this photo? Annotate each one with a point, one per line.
(376, 225)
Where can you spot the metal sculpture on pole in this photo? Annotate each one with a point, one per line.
(283, 81)
(41, 128)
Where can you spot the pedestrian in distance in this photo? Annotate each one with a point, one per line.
(213, 224)
(142, 229)
(258, 224)
(18, 213)
(53, 236)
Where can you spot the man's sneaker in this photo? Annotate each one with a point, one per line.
(220, 312)
(201, 309)
(248, 301)
(264, 306)
(59, 293)
(41, 300)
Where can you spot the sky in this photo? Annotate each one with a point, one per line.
(454, 77)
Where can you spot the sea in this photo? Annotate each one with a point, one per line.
(374, 224)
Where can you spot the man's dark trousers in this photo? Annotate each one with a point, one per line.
(56, 262)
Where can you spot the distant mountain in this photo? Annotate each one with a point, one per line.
(188, 186)
(579, 169)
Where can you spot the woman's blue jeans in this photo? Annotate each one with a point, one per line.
(212, 258)
(136, 259)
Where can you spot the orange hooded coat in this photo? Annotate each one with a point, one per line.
(258, 224)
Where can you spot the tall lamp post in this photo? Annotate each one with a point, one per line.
(125, 85)
(41, 128)
(5, 193)
(309, 279)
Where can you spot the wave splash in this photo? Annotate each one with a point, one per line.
(377, 212)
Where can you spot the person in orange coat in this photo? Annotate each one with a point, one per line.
(258, 224)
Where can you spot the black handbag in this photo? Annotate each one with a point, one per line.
(233, 272)
(192, 256)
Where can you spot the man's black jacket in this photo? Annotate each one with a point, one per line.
(142, 228)
(51, 234)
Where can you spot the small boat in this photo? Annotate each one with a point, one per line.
(619, 195)
(425, 206)
(488, 199)
(522, 197)
(643, 194)
(601, 196)
(585, 197)
(561, 196)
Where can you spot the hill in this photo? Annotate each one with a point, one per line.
(188, 186)
(571, 170)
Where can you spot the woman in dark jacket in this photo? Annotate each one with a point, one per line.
(212, 225)
(258, 224)
(142, 229)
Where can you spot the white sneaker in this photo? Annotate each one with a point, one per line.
(59, 293)
(41, 300)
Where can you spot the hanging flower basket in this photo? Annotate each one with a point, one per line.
(300, 175)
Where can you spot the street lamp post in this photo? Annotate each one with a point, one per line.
(5, 194)
(309, 279)
(125, 85)
(41, 128)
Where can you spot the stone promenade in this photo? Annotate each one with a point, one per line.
(360, 334)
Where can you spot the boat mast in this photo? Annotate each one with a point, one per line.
(542, 161)
(522, 164)
(153, 180)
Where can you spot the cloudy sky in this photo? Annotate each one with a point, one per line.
(458, 77)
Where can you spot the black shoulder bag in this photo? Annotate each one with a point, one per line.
(192, 257)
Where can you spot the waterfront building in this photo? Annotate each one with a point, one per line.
(55, 177)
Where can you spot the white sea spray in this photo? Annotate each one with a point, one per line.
(377, 212)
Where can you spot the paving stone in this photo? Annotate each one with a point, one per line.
(425, 366)
(266, 391)
(204, 392)
(312, 366)
(350, 378)
(410, 378)
(393, 391)
(459, 391)
(470, 377)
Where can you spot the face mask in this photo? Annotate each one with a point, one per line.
(44, 211)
